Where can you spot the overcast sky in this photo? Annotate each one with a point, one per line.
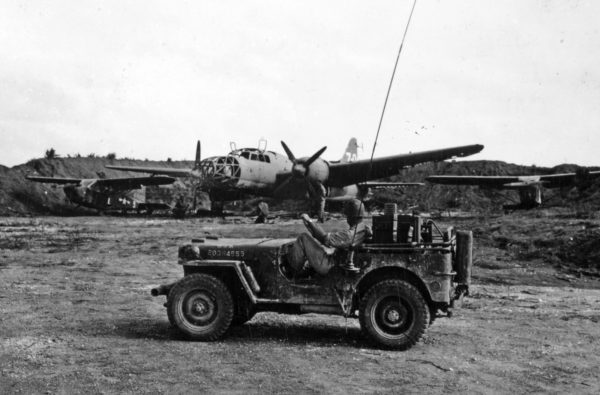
(146, 79)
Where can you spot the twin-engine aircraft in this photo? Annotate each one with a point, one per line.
(258, 172)
(107, 194)
(528, 186)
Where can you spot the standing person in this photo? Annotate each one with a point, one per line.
(263, 213)
(316, 249)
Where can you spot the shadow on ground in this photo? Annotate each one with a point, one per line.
(305, 333)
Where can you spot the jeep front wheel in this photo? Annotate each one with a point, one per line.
(394, 314)
(201, 306)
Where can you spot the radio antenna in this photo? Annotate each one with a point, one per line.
(387, 96)
(390, 85)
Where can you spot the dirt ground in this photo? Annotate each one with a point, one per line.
(77, 317)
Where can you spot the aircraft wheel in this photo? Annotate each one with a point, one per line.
(201, 306)
(394, 314)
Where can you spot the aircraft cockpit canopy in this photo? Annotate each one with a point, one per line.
(252, 154)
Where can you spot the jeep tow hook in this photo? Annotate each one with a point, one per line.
(161, 289)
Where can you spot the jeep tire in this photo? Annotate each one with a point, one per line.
(201, 306)
(394, 314)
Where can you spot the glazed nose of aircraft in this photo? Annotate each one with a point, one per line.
(222, 169)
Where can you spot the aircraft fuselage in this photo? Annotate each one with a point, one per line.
(251, 171)
(87, 195)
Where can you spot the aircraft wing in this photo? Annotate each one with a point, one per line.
(342, 174)
(514, 182)
(485, 181)
(566, 179)
(376, 184)
(133, 182)
(54, 180)
(167, 171)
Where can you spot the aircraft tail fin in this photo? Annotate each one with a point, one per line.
(351, 152)
(197, 161)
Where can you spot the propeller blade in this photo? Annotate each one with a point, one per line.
(288, 151)
(283, 185)
(310, 188)
(197, 158)
(314, 157)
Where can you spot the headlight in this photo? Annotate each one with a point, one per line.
(189, 252)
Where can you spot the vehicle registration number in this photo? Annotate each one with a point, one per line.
(226, 253)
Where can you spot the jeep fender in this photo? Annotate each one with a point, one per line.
(236, 271)
(391, 272)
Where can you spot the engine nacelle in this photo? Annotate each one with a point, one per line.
(318, 171)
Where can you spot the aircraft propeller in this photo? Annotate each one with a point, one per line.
(300, 170)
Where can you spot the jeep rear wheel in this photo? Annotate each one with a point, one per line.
(394, 314)
(201, 306)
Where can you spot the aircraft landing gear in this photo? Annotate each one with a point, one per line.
(216, 208)
(263, 213)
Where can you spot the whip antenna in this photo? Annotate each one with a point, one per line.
(390, 86)
(387, 96)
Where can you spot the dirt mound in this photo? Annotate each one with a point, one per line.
(19, 196)
(584, 198)
(583, 250)
(569, 244)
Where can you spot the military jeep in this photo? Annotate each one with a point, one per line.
(409, 272)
